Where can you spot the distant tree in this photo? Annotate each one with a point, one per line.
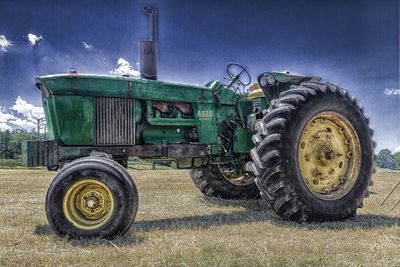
(396, 157)
(383, 153)
(10, 141)
(18, 136)
(389, 163)
(5, 145)
(386, 160)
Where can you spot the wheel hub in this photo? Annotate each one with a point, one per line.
(88, 204)
(235, 175)
(329, 155)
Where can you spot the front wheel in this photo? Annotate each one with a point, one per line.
(221, 181)
(313, 154)
(91, 197)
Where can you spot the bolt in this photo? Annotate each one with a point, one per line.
(342, 179)
(329, 155)
(346, 141)
(349, 154)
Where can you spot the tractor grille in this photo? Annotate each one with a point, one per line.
(114, 121)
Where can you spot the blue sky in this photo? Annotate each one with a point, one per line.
(354, 44)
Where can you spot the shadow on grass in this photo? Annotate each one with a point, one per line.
(116, 242)
(256, 211)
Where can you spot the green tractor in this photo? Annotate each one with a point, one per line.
(304, 146)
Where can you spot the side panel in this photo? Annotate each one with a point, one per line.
(72, 117)
(205, 117)
(211, 121)
(242, 142)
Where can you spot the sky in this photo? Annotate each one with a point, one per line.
(354, 44)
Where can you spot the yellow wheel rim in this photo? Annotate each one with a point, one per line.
(329, 155)
(236, 177)
(88, 204)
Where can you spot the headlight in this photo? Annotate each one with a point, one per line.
(263, 81)
(271, 79)
(267, 80)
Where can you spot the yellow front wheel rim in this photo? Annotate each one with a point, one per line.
(329, 155)
(88, 204)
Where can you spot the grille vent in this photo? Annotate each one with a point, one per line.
(114, 121)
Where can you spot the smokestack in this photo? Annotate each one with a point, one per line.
(148, 49)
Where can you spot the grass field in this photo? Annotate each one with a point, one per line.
(177, 226)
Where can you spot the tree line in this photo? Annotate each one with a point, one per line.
(388, 159)
(10, 142)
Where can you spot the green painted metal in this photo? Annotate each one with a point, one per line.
(158, 135)
(138, 111)
(69, 105)
(71, 119)
(171, 121)
(29, 152)
(242, 142)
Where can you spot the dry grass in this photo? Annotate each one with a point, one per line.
(176, 226)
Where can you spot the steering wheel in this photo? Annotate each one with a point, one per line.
(235, 70)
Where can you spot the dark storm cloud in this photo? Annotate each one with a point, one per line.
(351, 43)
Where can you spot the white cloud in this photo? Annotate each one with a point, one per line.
(392, 91)
(21, 115)
(5, 117)
(4, 126)
(87, 45)
(125, 68)
(4, 43)
(29, 111)
(397, 149)
(33, 39)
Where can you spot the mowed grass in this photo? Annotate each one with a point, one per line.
(177, 226)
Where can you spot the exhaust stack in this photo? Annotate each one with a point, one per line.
(148, 49)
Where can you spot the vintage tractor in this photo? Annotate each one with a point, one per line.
(303, 145)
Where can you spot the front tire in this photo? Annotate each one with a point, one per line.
(212, 182)
(91, 197)
(313, 154)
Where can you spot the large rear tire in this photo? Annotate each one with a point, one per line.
(92, 197)
(212, 182)
(313, 154)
